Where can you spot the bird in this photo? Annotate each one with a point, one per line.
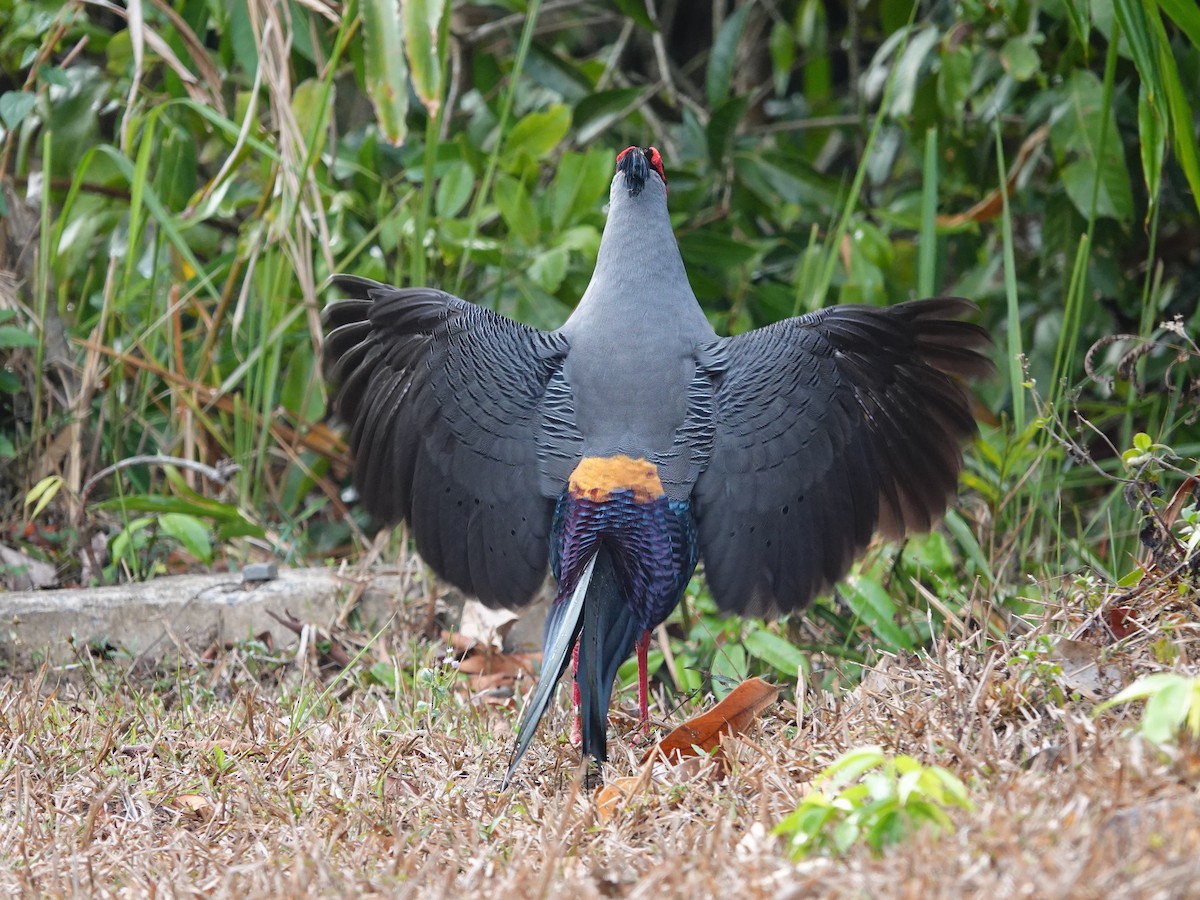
(632, 442)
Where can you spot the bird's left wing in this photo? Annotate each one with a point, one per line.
(458, 419)
(828, 427)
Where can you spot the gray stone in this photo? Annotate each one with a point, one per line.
(153, 618)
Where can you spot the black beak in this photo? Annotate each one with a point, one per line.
(635, 166)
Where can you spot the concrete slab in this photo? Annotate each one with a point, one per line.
(154, 618)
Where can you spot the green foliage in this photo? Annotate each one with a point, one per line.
(868, 796)
(1172, 706)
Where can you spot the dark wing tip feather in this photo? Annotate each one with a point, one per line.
(887, 387)
(443, 402)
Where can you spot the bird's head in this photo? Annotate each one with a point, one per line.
(636, 164)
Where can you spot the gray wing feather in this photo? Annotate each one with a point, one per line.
(829, 427)
(447, 407)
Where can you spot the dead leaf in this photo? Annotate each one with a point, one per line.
(488, 626)
(1082, 672)
(195, 805)
(609, 797)
(493, 680)
(489, 663)
(1122, 621)
(733, 715)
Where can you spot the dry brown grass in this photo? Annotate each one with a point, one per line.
(212, 781)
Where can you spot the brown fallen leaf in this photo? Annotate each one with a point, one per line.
(194, 805)
(493, 680)
(614, 794)
(490, 663)
(732, 715)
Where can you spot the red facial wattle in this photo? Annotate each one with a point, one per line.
(650, 157)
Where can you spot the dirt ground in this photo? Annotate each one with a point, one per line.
(252, 773)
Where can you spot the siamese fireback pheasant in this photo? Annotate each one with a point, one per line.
(633, 442)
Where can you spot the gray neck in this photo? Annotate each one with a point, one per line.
(639, 269)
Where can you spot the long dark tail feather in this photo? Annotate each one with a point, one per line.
(609, 633)
(563, 624)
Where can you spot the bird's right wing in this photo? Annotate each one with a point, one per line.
(828, 427)
(456, 416)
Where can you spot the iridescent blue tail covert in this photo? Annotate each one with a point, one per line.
(622, 553)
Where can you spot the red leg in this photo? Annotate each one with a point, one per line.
(643, 654)
(576, 719)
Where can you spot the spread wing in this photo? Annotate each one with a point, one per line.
(453, 429)
(828, 427)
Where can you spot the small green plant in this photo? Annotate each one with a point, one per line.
(139, 546)
(868, 795)
(1172, 704)
(1146, 454)
(1038, 672)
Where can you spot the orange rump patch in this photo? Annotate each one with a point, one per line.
(598, 477)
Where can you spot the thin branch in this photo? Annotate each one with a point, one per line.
(221, 473)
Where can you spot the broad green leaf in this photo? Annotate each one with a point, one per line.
(12, 336)
(1087, 144)
(311, 106)
(126, 541)
(722, 128)
(636, 10)
(190, 532)
(1152, 140)
(454, 190)
(954, 85)
(908, 71)
(729, 669)
(1167, 709)
(599, 110)
(1185, 14)
(775, 651)
(422, 22)
(386, 72)
(723, 56)
(549, 268)
(582, 238)
(160, 504)
(782, 44)
(1182, 119)
(539, 132)
(931, 552)
(627, 673)
(175, 176)
(517, 209)
(1019, 58)
(579, 184)
(853, 764)
(1154, 58)
(15, 106)
(877, 610)
(709, 248)
(298, 393)
(812, 33)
